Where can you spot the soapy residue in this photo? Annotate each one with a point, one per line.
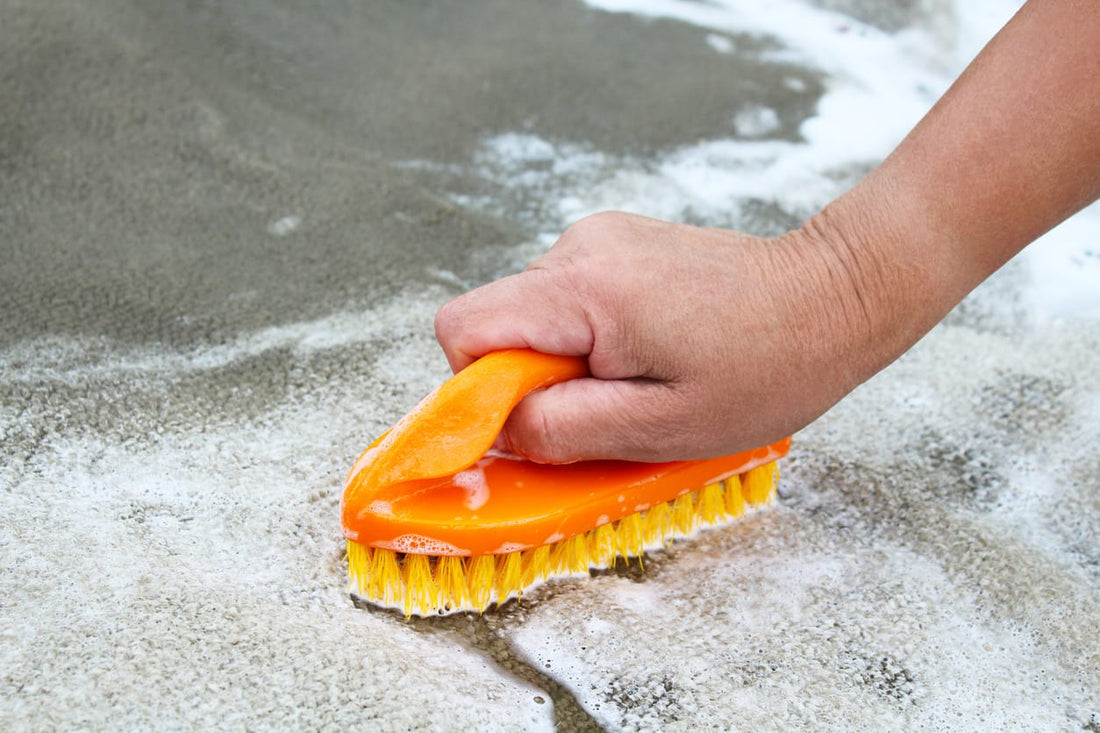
(473, 481)
(416, 544)
(931, 561)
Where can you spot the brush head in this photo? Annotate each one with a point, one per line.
(436, 521)
(426, 585)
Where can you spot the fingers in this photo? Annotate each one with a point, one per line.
(678, 370)
(586, 419)
(531, 309)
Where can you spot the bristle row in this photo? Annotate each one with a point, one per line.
(424, 585)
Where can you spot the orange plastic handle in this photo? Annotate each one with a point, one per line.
(457, 423)
(428, 487)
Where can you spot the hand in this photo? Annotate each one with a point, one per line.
(700, 341)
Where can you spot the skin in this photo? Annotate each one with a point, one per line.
(703, 342)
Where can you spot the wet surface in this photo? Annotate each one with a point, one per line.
(224, 231)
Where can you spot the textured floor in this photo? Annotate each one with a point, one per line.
(224, 231)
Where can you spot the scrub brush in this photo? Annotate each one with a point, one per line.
(438, 522)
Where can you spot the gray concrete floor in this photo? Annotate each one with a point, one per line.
(224, 230)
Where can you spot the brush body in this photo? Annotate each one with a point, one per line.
(437, 523)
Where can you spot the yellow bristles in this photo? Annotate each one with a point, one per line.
(629, 536)
(733, 497)
(424, 585)
(683, 514)
(420, 590)
(711, 505)
(570, 556)
(480, 576)
(536, 565)
(385, 581)
(657, 525)
(601, 547)
(759, 483)
(450, 581)
(358, 557)
(509, 579)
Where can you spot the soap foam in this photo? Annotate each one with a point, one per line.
(477, 489)
(415, 544)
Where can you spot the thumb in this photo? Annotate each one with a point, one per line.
(587, 419)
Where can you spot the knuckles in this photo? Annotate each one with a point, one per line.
(603, 232)
(448, 320)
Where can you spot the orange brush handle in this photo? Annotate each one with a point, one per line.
(428, 487)
(457, 423)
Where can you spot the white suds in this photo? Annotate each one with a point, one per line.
(477, 490)
(420, 545)
(284, 226)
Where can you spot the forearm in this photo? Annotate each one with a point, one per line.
(1009, 151)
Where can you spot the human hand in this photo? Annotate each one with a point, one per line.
(700, 342)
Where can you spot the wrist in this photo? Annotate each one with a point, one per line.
(880, 281)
